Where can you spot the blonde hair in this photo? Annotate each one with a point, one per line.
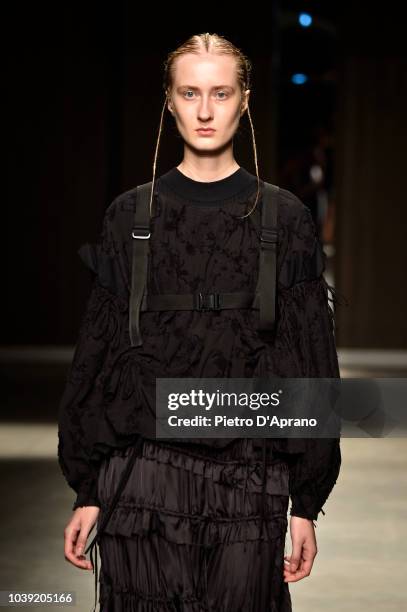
(212, 43)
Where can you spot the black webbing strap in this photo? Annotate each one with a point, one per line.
(263, 299)
(267, 281)
(141, 236)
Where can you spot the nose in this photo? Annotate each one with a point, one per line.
(204, 109)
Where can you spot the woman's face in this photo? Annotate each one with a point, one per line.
(206, 94)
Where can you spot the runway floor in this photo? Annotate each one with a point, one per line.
(362, 554)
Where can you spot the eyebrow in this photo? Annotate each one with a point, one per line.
(214, 87)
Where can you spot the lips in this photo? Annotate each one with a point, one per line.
(205, 131)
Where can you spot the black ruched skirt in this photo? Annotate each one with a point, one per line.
(185, 533)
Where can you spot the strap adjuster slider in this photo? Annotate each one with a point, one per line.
(140, 231)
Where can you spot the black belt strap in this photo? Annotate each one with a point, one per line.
(263, 299)
(197, 301)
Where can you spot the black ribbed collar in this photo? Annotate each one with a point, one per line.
(213, 191)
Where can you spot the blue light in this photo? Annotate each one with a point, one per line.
(299, 78)
(305, 20)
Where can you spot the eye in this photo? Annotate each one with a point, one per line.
(223, 94)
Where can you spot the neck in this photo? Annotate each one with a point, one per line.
(208, 168)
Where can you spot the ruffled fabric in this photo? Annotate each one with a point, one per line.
(193, 518)
(208, 477)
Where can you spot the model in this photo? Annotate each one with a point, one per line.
(201, 524)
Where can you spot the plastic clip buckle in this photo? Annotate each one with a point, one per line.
(207, 301)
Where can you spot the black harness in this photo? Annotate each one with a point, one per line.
(263, 299)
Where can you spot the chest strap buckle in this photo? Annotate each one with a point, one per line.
(207, 301)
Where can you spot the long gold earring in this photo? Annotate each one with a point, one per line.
(255, 162)
(156, 152)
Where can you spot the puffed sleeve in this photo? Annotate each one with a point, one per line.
(101, 330)
(306, 333)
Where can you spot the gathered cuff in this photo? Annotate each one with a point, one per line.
(87, 494)
(304, 507)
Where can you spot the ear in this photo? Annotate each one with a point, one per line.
(169, 105)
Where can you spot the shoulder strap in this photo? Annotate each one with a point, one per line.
(267, 281)
(141, 235)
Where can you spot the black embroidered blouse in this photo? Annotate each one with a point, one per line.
(197, 244)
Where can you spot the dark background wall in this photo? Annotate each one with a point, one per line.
(371, 179)
(84, 93)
